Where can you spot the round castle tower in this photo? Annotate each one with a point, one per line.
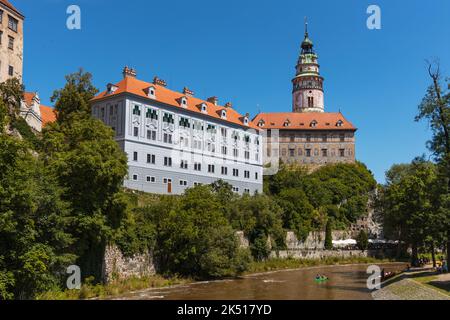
(307, 94)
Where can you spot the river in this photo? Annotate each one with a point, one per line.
(345, 283)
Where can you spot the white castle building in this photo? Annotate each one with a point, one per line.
(175, 141)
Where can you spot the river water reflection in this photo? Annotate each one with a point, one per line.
(346, 282)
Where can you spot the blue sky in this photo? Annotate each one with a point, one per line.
(245, 52)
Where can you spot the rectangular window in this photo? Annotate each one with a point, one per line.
(183, 183)
(151, 179)
(247, 155)
(167, 180)
(247, 174)
(197, 166)
(135, 131)
(151, 135)
(183, 164)
(211, 168)
(11, 71)
(167, 161)
(235, 189)
(292, 152)
(324, 153)
(224, 171)
(135, 156)
(247, 191)
(256, 175)
(184, 122)
(151, 158)
(224, 150)
(211, 147)
(13, 23)
(151, 114)
(342, 152)
(136, 110)
(235, 173)
(167, 138)
(135, 177)
(1, 36)
(235, 152)
(1, 16)
(168, 118)
(308, 152)
(223, 133)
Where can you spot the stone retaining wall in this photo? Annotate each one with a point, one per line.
(117, 266)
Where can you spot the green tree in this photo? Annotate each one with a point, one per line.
(90, 167)
(362, 240)
(435, 108)
(297, 212)
(195, 239)
(73, 99)
(328, 236)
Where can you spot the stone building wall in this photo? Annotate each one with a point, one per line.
(294, 146)
(10, 56)
(117, 266)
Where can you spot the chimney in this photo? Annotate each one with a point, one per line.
(228, 105)
(159, 82)
(247, 115)
(213, 100)
(188, 92)
(129, 72)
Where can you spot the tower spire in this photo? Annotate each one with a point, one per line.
(306, 27)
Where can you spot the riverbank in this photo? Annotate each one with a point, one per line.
(286, 264)
(118, 288)
(419, 284)
(115, 288)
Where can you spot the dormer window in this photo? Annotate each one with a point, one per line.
(223, 114)
(261, 123)
(183, 102)
(340, 123)
(111, 88)
(287, 123)
(246, 121)
(313, 124)
(204, 108)
(151, 92)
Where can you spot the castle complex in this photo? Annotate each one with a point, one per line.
(308, 135)
(175, 141)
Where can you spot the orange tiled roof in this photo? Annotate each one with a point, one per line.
(167, 96)
(10, 6)
(28, 97)
(304, 121)
(48, 115)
